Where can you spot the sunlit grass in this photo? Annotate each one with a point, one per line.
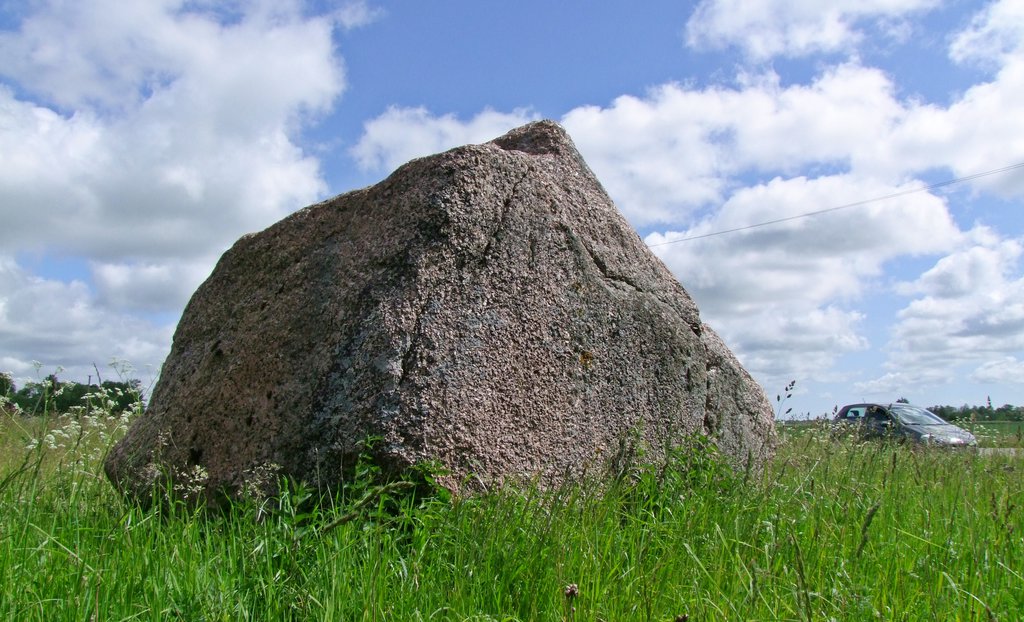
(831, 530)
(996, 433)
(1005, 434)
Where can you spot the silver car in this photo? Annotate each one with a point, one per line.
(903, 422)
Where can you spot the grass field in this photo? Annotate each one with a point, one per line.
(830, 531)
(988, 433)
(997, 433)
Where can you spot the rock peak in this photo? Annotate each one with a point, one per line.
(537, 138)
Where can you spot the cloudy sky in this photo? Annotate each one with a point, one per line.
(139, 140)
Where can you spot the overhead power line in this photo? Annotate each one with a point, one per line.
(941, 184)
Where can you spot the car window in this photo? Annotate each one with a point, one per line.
(915, 415)
(877, 414)
(856, 412)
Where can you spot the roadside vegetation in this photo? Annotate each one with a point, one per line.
(51, 396)
(832, 529)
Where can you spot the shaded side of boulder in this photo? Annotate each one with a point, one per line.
(487, 309)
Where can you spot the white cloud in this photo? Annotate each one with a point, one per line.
(108, 54)
(677, 150)
(656, 155)
(357, 14)
(969, 311)
(980, 130)
(401, 134)
(822, 257)
(963, 274)
(782, 295)
(793, 340)
(1005, 370)
(60, 324)
(901, 383)
(977, 132)
(143, 139)
(178, 166)
(767, 28)
(152, 287)
(829, 121)
(994, 34)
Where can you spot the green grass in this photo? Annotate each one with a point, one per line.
(988, 433)
(996, 433)
(830, 530)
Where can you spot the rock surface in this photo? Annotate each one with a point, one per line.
(487, 308)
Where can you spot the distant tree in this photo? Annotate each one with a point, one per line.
(30, 398)
(51, 396)
(6, 392)
(71, 394)
(1008, 412)
(949, 413)
(903, 400)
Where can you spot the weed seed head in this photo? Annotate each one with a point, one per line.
(572, 591)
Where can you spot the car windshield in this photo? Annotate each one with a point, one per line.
(914, 415)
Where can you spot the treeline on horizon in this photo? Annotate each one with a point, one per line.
(1006, 412)
(53, 396)
(56, 397)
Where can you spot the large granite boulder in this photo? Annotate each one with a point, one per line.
(487, 308)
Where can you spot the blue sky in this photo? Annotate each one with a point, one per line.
(139, 140)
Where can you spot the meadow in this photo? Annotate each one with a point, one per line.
(997, 433)
(831, 530)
